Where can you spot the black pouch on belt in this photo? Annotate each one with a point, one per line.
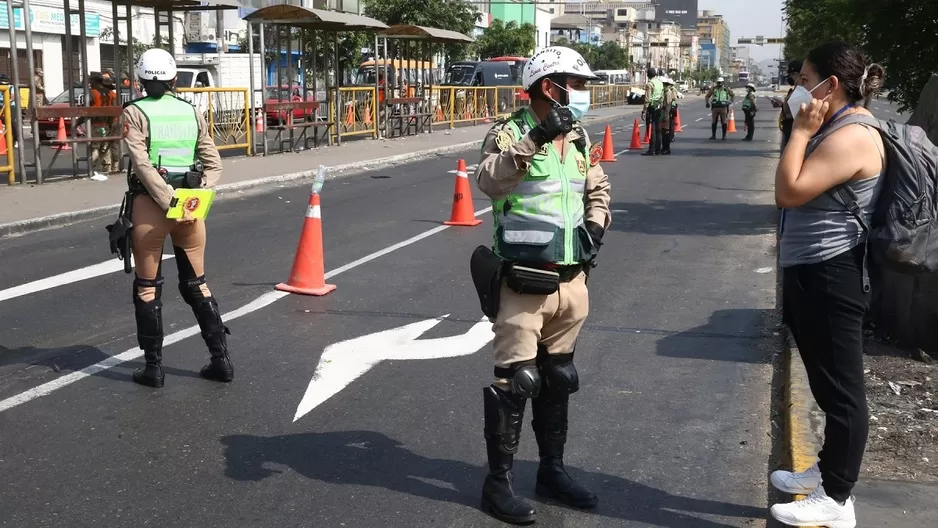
(486, 270)
(532, 281)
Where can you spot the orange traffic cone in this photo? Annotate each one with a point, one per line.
(731, 125)
(677, 122)
(608, 155)
(259, 123)
(636, 137)
(647, 139)
(308, 273)
(3, 140)
(61, 137)
(462, 214)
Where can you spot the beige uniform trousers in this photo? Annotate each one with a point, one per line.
(720, 114)
(526, 321)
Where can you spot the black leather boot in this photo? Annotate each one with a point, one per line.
(550, 428)
(724, 131)
(219, 367)
(150, 338)
(504, 413)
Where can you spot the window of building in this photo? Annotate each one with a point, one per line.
(621, 12)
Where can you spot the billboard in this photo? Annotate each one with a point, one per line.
(684, 12)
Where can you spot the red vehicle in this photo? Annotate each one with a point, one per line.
(285, 95)
(517, 66)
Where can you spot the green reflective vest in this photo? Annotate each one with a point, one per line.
(173, 135)
(542, 220)
(657, 92)
(748, 101)
(721, 95)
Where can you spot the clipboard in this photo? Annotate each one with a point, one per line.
(197, 201)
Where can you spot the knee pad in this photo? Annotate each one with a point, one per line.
(148, 314)
(524, 376)
(559, 374)
(191, 290)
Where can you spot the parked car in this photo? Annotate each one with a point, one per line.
(49, 128)
(285, 95)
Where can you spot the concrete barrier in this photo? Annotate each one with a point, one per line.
(905, 308)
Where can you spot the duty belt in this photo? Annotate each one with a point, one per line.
(176, 181)
(567, 273)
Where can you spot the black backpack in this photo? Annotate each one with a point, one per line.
(903, 233)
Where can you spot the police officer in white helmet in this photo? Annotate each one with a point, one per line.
(170, 148)
(550, 200)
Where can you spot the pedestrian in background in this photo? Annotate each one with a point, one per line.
(831, 158)
(788, 119)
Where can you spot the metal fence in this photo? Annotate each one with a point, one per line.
(6, 148)
(227, 112)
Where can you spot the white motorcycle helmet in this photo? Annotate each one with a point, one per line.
(556, 60)
(156, 65)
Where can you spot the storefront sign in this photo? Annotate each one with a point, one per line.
(49, 20)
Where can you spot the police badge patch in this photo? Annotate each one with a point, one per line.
(581, 165)
(504, 140)
(596, 154)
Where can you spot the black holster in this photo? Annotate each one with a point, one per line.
(119, 232)
(486, 270)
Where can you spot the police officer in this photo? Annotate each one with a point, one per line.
(654, 92)
(550, 200)
(167, 139)
(668, 112)
(720, 98)
(750, 109)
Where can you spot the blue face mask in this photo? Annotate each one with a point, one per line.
(578, 101)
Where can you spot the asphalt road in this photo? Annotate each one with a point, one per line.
(671, 425)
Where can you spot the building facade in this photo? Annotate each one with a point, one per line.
(713, 27)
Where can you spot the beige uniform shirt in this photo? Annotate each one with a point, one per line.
(500, 172)
(136, 127)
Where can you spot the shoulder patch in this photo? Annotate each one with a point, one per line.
(596, 154)
(504, 140)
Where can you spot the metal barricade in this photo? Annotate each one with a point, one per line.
(359, 112)
(7, 146)
(227, 112)
(471, 104)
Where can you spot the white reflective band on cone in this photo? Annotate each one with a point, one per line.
(313, 211)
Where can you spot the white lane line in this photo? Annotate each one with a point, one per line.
(88, 272)
(253, 306)
(699, 119)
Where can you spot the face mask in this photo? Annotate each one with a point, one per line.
(579, 103)
(801, 95)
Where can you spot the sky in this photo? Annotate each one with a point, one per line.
(750, 18)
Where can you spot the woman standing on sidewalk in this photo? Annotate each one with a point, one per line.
(830, 158)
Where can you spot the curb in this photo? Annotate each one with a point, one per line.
(802, 443)
(62, 219)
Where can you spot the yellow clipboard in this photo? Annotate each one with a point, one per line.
(197, 201)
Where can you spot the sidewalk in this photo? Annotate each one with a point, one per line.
(25, 208)
(880, 503)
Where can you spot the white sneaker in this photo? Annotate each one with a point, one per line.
(797, 483)
(816, 510)
(97, 176)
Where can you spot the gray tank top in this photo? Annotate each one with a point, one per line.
(823, 228)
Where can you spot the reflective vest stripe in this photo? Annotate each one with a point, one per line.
(173, 132)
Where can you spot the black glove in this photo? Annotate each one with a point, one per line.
(559, 121)
(596, 232)
(708, 105)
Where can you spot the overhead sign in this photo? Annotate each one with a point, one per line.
(345, 361)
(49, 20)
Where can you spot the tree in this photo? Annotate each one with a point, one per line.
(454, 15)
(138, 46)
(899, 34)
(501, 39)
(610, 56)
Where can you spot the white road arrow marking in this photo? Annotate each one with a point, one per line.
(341, 363)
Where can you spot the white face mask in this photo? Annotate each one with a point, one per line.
(800, 96)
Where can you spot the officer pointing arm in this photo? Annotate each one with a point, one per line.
(550, 199)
